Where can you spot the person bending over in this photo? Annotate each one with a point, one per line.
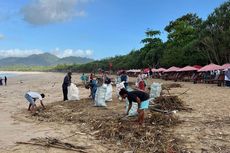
(31, 98)
(140, 97)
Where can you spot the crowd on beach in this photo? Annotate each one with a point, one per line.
(101, 87)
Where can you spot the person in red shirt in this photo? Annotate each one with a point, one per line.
(91, 76)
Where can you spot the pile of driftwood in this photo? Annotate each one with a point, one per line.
(150, 137)
(110, 125)
(169, 103)
(55, 143)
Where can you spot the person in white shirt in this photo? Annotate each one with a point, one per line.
(32, 97)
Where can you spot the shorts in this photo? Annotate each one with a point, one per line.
(145, 104)
(30, 99)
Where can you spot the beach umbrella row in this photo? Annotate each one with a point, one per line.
(209, 67)
(198, 68)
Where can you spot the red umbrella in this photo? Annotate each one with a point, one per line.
(187, 68)
(160, 70)
(226, 66)
(197, 66)
(172, 69)
(154, 70)
(146, 70)
(120, 71)
(210, 67)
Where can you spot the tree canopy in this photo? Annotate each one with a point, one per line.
(191, 41)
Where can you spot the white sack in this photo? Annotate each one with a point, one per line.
(100, 96)
(109, 93)
(73, 92)
(155, 90)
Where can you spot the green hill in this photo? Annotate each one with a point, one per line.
(45, 59)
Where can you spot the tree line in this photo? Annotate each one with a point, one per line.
(190, 41)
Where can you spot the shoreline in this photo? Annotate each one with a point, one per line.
(22, 72)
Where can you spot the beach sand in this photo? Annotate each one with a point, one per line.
(13, 106)
(206, 128)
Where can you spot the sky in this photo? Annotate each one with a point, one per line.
(88, 28)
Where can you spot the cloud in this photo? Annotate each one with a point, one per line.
(2, 36)
(72, 52)
(18, 52)
(42, 12)
(57, 52)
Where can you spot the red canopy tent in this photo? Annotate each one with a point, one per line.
(172, 69)
(226, 66)
(154, 70)
(160, 70)
(187, 68)
(197, 66)
(146, 70)
(210, 67)
(120, 71)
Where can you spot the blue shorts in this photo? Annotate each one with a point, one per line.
(145, 104)
(30, 99)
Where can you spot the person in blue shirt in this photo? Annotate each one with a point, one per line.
(124, 78)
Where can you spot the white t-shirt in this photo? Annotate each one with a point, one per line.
(34, 95)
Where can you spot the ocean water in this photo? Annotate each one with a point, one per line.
(8, 75)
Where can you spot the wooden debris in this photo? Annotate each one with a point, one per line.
(55, 143)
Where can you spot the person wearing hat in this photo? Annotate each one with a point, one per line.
(65, 84)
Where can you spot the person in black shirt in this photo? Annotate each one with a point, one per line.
(5, 79)
(65, 84)
(150, 72)
(140, 97)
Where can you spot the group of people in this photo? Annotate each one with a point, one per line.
(140, 97)
(5, 81)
